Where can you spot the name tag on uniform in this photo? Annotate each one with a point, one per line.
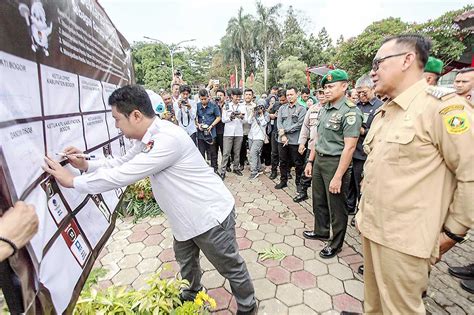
(366, 118)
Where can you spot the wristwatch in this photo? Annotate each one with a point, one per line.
(454, 237)
(309, 161)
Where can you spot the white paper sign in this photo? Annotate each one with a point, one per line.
(60, 91)
(23, 148)
(64, 132)
(91, 95)
(92, 222)
(96, 130)
(19, 88)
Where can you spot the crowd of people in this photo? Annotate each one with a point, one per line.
(393, 150)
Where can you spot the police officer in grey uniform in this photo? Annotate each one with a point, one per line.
(338, 129)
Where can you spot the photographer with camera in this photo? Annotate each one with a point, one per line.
(273, 107)
(185, 110)
(250, 105)
(220, 100)
(232, 116)
(208, 115)
(258, 118)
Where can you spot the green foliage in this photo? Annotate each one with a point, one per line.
(139, 201)
(355, 55)
(161, 297)
(449, 41)
(272, 253)
(292, 72)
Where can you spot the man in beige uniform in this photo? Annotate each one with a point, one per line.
(417, 195)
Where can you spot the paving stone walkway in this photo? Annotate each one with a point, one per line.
(301, 283)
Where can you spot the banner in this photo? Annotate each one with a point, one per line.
(59, 62)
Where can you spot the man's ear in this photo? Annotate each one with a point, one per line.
(137, 115)
(410, 58)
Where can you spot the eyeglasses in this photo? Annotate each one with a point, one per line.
(377, 61)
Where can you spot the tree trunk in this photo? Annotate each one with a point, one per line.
(265, 68)
(242, 65)
(236, 77)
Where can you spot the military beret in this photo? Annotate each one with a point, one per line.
(334, 76)
(434, 65)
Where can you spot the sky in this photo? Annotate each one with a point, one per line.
(172, 21)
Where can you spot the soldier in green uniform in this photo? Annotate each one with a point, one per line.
(339, 127)
(433, 70)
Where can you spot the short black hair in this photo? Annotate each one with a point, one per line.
(203, 92)
(465, 70)
(292, 88)
(305, 90)
(132, 97)
(421, 45)
(236, 91)
(281, 93)
(184, 88)
(248, 90)
(220, 90)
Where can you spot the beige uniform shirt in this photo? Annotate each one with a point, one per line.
(309, 130)
(419, 173)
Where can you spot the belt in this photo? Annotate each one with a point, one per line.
(327, 155)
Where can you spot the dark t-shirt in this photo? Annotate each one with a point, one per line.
(368, 111)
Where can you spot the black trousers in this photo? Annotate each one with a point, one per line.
(194, 138)
(275, 157)
(329, 209)
(305, 182)
(211, 149)
(243, 150)
(289, 156)
(266, 155)
(353, 196)
(220, 143)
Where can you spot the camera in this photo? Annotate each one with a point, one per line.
(235, 114)
(260, 107)
(177, 73)
(217, 99)
(205, 128)
(184, 102)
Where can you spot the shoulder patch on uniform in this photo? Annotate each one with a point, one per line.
(350, 114)
(351, 120)
(439, 92)
(148, 146)
(450, 108)
(457, 124)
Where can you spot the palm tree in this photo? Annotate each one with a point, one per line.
(268, 32)
(231, 54)
(239, 29)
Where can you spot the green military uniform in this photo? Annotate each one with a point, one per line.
(337, 121)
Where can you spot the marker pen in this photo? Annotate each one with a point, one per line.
(78, 155)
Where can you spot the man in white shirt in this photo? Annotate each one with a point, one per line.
(202, 220)
(233, 116)
(185, 110)
(258, 118)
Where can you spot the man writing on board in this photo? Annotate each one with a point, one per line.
(201, 220)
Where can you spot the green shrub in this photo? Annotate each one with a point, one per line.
(139, 202)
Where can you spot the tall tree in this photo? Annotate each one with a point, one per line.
(292, 72)
(240, 32)
(268, 32)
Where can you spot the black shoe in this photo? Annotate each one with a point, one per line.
(281, 185)
(302, 196)
(353, 221)
(222, 175)
(361, 269)
(228, 169)
(315, 236)
(186, 298)
(273, 175)
(329, 252)
(468, 285)
(237, 172)
(349, 313)
(466, 272)
(252, 311)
